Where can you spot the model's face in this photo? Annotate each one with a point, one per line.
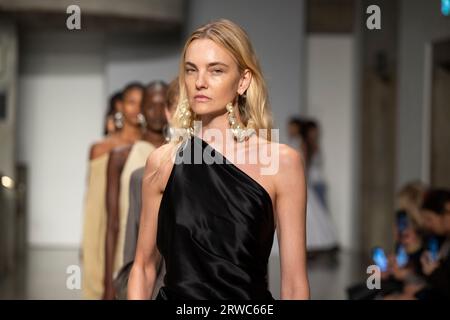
(212, 77)
(153, 108)
(131, 105)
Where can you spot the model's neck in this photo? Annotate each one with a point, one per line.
(130, 133)
(156, 138)
(217, 122)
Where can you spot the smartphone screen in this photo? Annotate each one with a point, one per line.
(402, 257)
(433, 247)
(402, 221)
(380, 259)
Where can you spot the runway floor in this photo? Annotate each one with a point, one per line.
(43, 275)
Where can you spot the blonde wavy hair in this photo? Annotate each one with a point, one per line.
(254, 110)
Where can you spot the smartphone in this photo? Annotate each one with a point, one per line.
(380, 259)
(401, 256)
(433, 248)
(402, 221)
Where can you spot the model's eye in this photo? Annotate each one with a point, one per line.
(217, 71)
(189, 70)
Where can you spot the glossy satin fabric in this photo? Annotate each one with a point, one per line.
(215, 229)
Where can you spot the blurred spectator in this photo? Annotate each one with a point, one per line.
(410, 198)
(295, 133)
(436, 265)
(321, 234)
(435, 257)
(314, 161)
(408, 231)
(404, 275)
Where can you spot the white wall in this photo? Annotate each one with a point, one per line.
(330, 63)
(61, 106)
(140, 58)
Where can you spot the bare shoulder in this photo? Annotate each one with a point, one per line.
(288, 157)
(290, 178)
(97, 149)
(159, 155)
(285, 161)
(159, 165)
(103, 146)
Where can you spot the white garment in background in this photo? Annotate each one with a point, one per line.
(320, 231)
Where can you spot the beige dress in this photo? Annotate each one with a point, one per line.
(136, 159)
(94, 229)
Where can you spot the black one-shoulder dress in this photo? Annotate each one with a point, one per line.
(215, 229)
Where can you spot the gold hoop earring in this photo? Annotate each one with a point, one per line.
(240, 132)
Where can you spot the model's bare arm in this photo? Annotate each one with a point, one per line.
(116, 163)
(291, 224)
(144, 271)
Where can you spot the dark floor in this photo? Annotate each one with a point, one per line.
(43, 275)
